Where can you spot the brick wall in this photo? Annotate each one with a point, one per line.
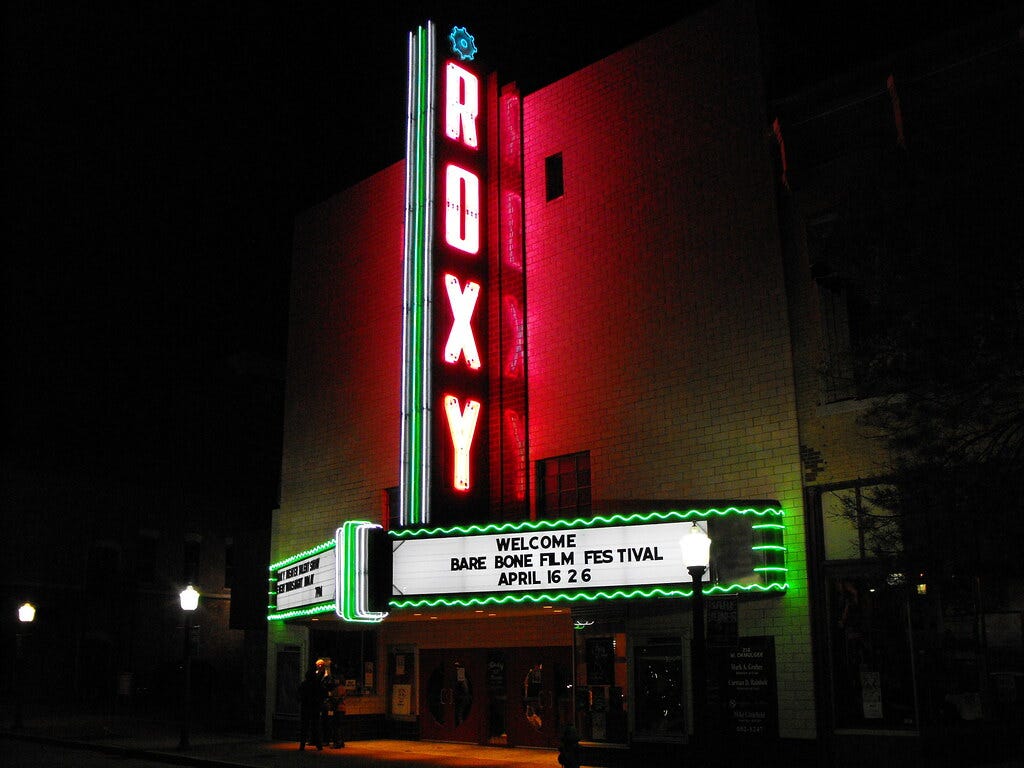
(656, 322)
(657, 327)
(341, 429)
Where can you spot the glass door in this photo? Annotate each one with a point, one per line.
(453, 686)
(539, 701)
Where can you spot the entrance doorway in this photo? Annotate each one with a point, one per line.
(507, 696)
(454, 695)
(539, 696)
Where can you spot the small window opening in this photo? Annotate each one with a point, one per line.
(553, 176)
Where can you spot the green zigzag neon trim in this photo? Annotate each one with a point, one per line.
(635, 518)
(329, 544)
(547, 597)
(300, 612)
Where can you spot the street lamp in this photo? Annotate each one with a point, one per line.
(189, 599)
(26, 615)
(696, 547)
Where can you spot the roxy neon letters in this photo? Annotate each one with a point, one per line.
(462, 209)
(462, 104)
(462, 425)
(460, 338)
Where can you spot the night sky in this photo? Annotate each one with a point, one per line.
(155, 155)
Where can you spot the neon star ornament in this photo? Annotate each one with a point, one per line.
(463, 43)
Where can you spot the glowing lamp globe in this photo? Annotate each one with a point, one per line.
(189, 598)
(26, 613)
(696, 547)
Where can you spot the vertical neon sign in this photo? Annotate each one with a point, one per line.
(416, 298)
(445, 376)
(509, 380)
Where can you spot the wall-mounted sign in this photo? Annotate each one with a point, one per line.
(305, 582)
(445, 402)
(606, 557)
(621, 555)
(742, 688)
(598, 557)
(723, 620)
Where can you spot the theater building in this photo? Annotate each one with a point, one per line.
(523, 364)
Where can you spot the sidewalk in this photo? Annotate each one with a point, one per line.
(157, 739)
(123, 736)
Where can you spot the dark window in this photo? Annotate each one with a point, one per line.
(390, 513)
(229, 563)
(353, 656)
(859, 264)
(563, 486)
(837, 364)
(858, 523)
(658, 679)
(288, 677)
(553, 176)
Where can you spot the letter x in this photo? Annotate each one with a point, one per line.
(461, 340)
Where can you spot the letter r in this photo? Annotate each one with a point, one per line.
(462, 97)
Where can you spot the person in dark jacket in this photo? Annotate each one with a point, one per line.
(311, 701)
(334, 704)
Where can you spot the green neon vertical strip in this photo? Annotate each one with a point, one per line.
(350, 581)
(416, 329)
(345, 570)
(411, 489)
(419, 267)
(407, 303)
(427, 130)
(769, 550)
(412, 486)
(352, 561)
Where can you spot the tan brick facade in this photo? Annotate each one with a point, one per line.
(657, 326)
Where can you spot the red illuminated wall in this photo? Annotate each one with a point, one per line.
(657, 336)
(657, 323)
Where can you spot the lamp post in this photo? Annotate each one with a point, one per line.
(696, 547)
(189, 602)
(26, 615)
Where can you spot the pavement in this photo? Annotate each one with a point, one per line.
(156, 739)
(131, 735)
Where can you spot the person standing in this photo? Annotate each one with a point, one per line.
(334, 692)
(336, 701)
(311, 700)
